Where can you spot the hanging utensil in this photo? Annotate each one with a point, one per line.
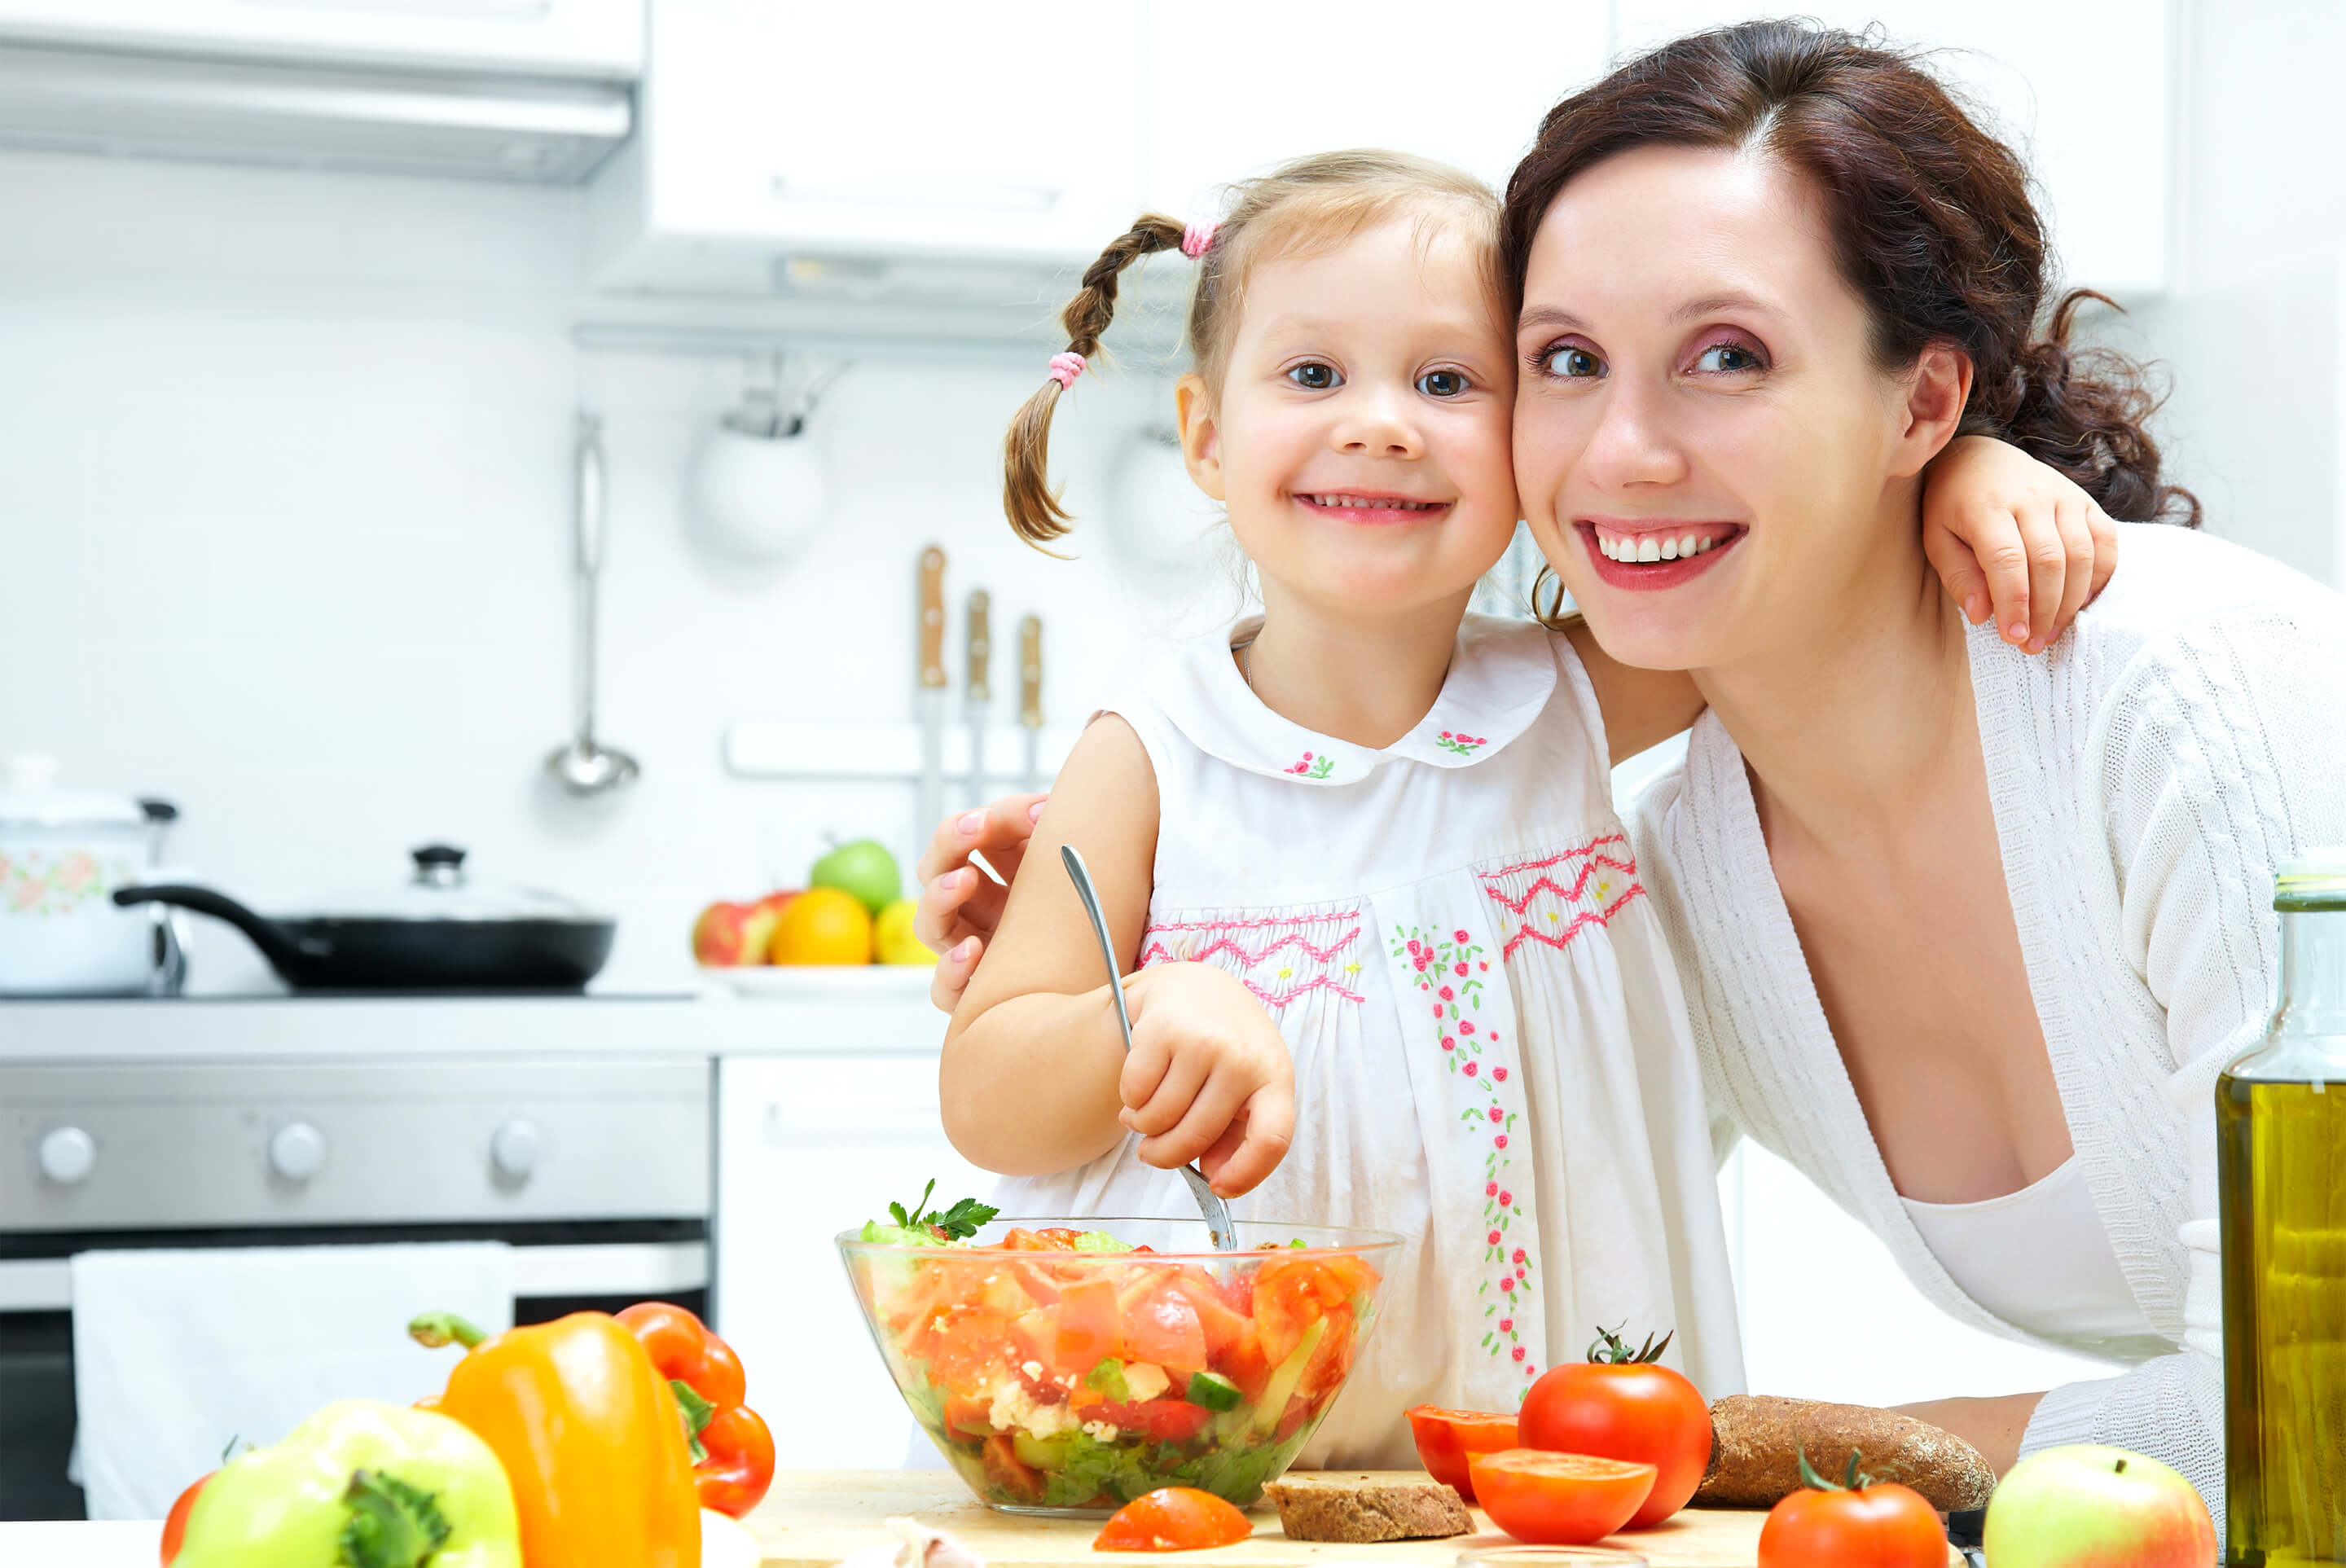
(928, 697)
(1030, 699)
(977, 693)
(1210, 1203)
(583, 768)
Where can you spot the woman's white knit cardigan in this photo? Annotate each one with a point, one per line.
(2147, 774)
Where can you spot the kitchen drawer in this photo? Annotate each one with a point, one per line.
(347, 1143)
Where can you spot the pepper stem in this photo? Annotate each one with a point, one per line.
(391, 1524)
(434, 1329)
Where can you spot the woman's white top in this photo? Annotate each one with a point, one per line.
(2038, 1258)
(1491, 1058)
(2146, 773)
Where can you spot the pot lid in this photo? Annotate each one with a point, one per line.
(30, 796)
(441, 889)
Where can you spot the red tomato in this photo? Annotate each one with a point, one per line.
(1285, 1305)
(966, 1356)
(1558, 1499)
(1223, 1323)
(1639, 1411)
(1245, 1364)
(1005, 1470)
(1238, 1291)
(1173, 1519)
(174, 1525)
(1162, 1327)
(1037, 1335)
(1159, 1420)
(1446, 1440)
(1087, 1326)
(1332, 1359)
(1884, 1526)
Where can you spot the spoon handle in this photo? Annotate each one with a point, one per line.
(1210, 1202)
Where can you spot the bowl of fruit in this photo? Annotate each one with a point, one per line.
(1068, 1366)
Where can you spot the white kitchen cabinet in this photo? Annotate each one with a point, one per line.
(592, 40)
(808, 1146)
(1234, 89)
(2084, 89)
(923, 128)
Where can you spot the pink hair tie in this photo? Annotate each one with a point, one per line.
(1196, 237)
(1065, 367)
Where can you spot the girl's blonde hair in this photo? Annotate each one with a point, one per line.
(1303, 207)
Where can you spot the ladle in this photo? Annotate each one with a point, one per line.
(583, 767)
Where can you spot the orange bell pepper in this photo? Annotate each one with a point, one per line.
(588, 1434)
(733, 1454)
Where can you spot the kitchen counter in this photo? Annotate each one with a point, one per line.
(879, 1011)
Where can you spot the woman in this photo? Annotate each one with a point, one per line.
(1766, 274)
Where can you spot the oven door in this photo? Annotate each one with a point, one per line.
(596, 1172)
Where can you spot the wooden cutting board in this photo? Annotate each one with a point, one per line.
(812, 1518)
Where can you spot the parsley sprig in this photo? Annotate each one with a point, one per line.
(962, 1220)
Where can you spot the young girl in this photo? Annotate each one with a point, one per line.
(1361, 847)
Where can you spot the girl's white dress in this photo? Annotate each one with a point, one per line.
(1492, 1055)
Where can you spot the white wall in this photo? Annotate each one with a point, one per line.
(284, 513)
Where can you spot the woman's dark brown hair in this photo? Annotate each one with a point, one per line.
(1929, 218)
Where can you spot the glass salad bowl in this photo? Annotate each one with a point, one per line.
(1067, 1366)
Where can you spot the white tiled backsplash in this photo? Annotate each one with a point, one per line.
(284, 536)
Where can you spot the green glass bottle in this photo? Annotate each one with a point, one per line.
(2281, 1150)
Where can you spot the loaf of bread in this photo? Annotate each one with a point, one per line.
(1756, 1442)
(1335, 1506)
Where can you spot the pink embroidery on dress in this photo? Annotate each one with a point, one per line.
(1204, 941)
(1464, 745)
(1608, 871)
(1442, 966)
(1311, 767)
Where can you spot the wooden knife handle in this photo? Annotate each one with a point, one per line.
(980, 645)
(932, 617)
(1030, 672)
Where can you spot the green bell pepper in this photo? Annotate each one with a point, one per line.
(361, 1484)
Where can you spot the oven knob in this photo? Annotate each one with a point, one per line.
(514, 1150)
(297, 1152)
(68, 1155)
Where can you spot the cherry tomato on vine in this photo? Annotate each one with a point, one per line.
(1622, 1403)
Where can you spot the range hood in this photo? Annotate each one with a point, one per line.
(537, 130)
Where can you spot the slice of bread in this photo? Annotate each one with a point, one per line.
(1348, 1506)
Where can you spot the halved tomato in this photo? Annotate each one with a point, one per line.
(1446, 1440)
(1558, 1499)
(1173, 1519)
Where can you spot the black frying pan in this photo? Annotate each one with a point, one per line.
(466, 950)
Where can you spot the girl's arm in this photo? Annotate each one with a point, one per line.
(2005, 533)
(1035, 1078)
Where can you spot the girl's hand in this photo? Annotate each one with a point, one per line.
(961, 905)
(2012, 536)
(1209, 1078)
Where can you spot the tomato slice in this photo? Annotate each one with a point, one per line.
(1446, 1440)
(1883, 1526)
(1558, 1499)
(1285, 1305)
(967, 1357)
(1245, 1364)
(1087, 1326)
(1159, 1420)
(1173, 1519)
(1162, 1327)
(1013, 1475)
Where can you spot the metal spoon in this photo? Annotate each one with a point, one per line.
(583, 767)
(1210, 1204)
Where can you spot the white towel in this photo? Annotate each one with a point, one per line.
(177, 1353)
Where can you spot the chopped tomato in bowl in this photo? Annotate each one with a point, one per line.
(1071, 1367)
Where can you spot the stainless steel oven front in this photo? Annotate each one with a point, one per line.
(597, 1170)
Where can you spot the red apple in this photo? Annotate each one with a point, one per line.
(2095, 1507)
(758, 931)
(720, 936)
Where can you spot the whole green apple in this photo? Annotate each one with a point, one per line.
(2093, 1507)
(864, 870)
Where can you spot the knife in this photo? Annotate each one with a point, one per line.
(929, 698)
(978, 694)
(1030, 698)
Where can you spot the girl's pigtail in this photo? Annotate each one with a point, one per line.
(1034, 514)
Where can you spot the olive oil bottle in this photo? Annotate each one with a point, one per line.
(2280, 1147)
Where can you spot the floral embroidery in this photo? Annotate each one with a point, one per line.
(1312, 767)
(1464, 745)
(1443, 968)
(1605, 861)
(1245, 946)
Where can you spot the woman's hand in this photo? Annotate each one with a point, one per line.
(1995, 1425)
(960, 905)
(2012, 536)
(1209, 1078)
